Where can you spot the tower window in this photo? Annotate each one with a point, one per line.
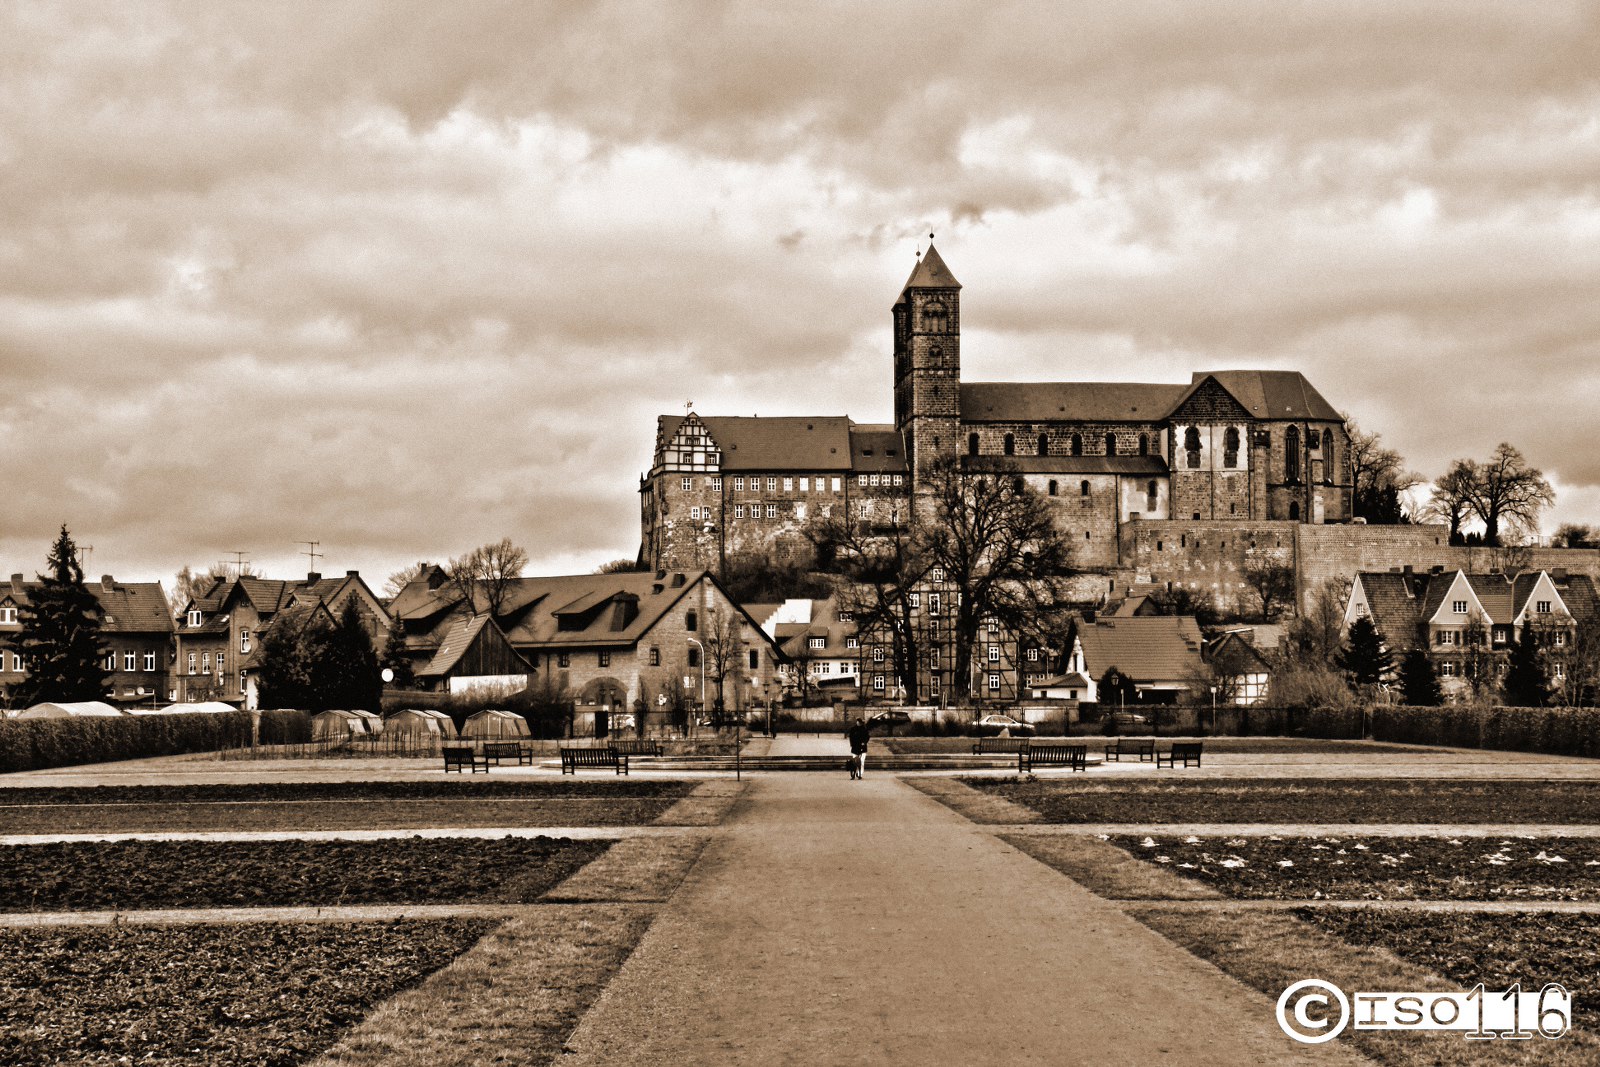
(691, 621)
(1083, 488)
(1075, 445)
(972, 444)
(1294, 510)
(1044, 444)
(1053, 487)
(1111, 444)
(1291, 457)
(1144, 444)
(1230, 447)
(1010, 445)
(1191, 447)
(1327, 457)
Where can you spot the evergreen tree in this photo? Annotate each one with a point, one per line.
(293, 653)
(1363, 659)
(1527, 685)
(351, 667)
(395, 658)
(1419, 682)
(1116, 689)
(60, 634)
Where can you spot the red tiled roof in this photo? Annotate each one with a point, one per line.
(1145, 648)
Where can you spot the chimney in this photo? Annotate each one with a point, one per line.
(352, 574)
(661, 576)
(313, 577)
(107, 581)
(1558, 574)
(1406, 569)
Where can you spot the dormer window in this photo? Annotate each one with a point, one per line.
(1458, 606)
(1543, 607)
(194, 616)
(8, 615)
(817, 642)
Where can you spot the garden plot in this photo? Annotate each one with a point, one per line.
(1301, 800)
(334, 806)
(266, 995)
(128, 875)
(1381, 868)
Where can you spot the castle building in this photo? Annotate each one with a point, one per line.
(1243, 446)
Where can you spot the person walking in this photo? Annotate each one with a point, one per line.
(859, 735)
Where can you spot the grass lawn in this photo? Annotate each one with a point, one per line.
(127, 875)
(1381, 868)
(456, 788)
(266, 995)
(1300, 800)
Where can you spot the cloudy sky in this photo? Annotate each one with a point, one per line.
(406, 278)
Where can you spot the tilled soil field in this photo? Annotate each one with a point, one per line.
(1495, 949)
(264, 995)
(462, 788)
(129, 875)
(1302, 800)
(1381, 868)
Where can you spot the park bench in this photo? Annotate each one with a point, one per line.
(1183, 752)
(504, 750)
(460, 758)
(999, 746)
(637, 747)
(1074, 756)
(573, 758)
(1143, 747)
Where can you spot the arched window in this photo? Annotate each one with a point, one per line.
(1152, 498)
(1294, 511)
(1144, 444)
(1083, 488)
(1075, 445)
(1054, 486)
(1111, 444)
(1010, 445)
(1291, 456)
(1044, 444)
(1327, 457)
(972, 444)
(1230, 447)
(1191, 447)
(691, 621)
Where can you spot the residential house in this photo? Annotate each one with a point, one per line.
(136, 629)
(817, 637)
(219, 630)
(1240, 673)
(1461, 619)
(1161, 654)
(609, 640)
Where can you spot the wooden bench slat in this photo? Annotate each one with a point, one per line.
(462, 759)
(1184, 752)
(1143, 747)
(573, 758)
(1073, 756)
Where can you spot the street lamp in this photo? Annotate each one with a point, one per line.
(1213, 707)
(702, 649)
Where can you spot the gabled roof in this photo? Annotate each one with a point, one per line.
(1394, 602)
(1067, 401)
(1494, 595)
(456, 641)
(931, 273)
(1269, 394)
(1145, 648)
(133, 607)
(1231, 652)
(751, 443)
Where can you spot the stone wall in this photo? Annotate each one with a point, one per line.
(1204, 557)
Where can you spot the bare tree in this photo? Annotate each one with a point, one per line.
(617, 566)
(1451, 502)
(1378, 476)
(999, 546)
(1316, 635)
(1508, 492)
(484, 576)
(188, 583)
(1479, 664)
(882, 566)
(723, 640)
(1272, 579)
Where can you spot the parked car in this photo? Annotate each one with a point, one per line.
(994, 725)
(1124, 719)
(888, 720)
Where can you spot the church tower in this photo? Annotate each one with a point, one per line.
(927, 365)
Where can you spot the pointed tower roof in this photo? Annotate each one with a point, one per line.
(931, 273)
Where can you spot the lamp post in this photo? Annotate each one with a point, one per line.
(702, 649)
(1213, 708)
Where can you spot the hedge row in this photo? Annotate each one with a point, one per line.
(1556, 731)
(38, 744)
(285, 727)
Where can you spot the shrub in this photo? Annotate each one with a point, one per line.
(1556, 731)
(285, 727)
(38, 744)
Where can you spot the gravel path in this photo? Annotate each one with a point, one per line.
(841, 922)
(350, 913)
(574, 832)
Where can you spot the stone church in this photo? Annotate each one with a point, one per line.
(1231, 446)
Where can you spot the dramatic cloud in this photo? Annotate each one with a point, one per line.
(404, 278)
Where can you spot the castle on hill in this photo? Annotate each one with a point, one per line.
(1230, 446)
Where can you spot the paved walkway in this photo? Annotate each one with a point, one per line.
(841, 922)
